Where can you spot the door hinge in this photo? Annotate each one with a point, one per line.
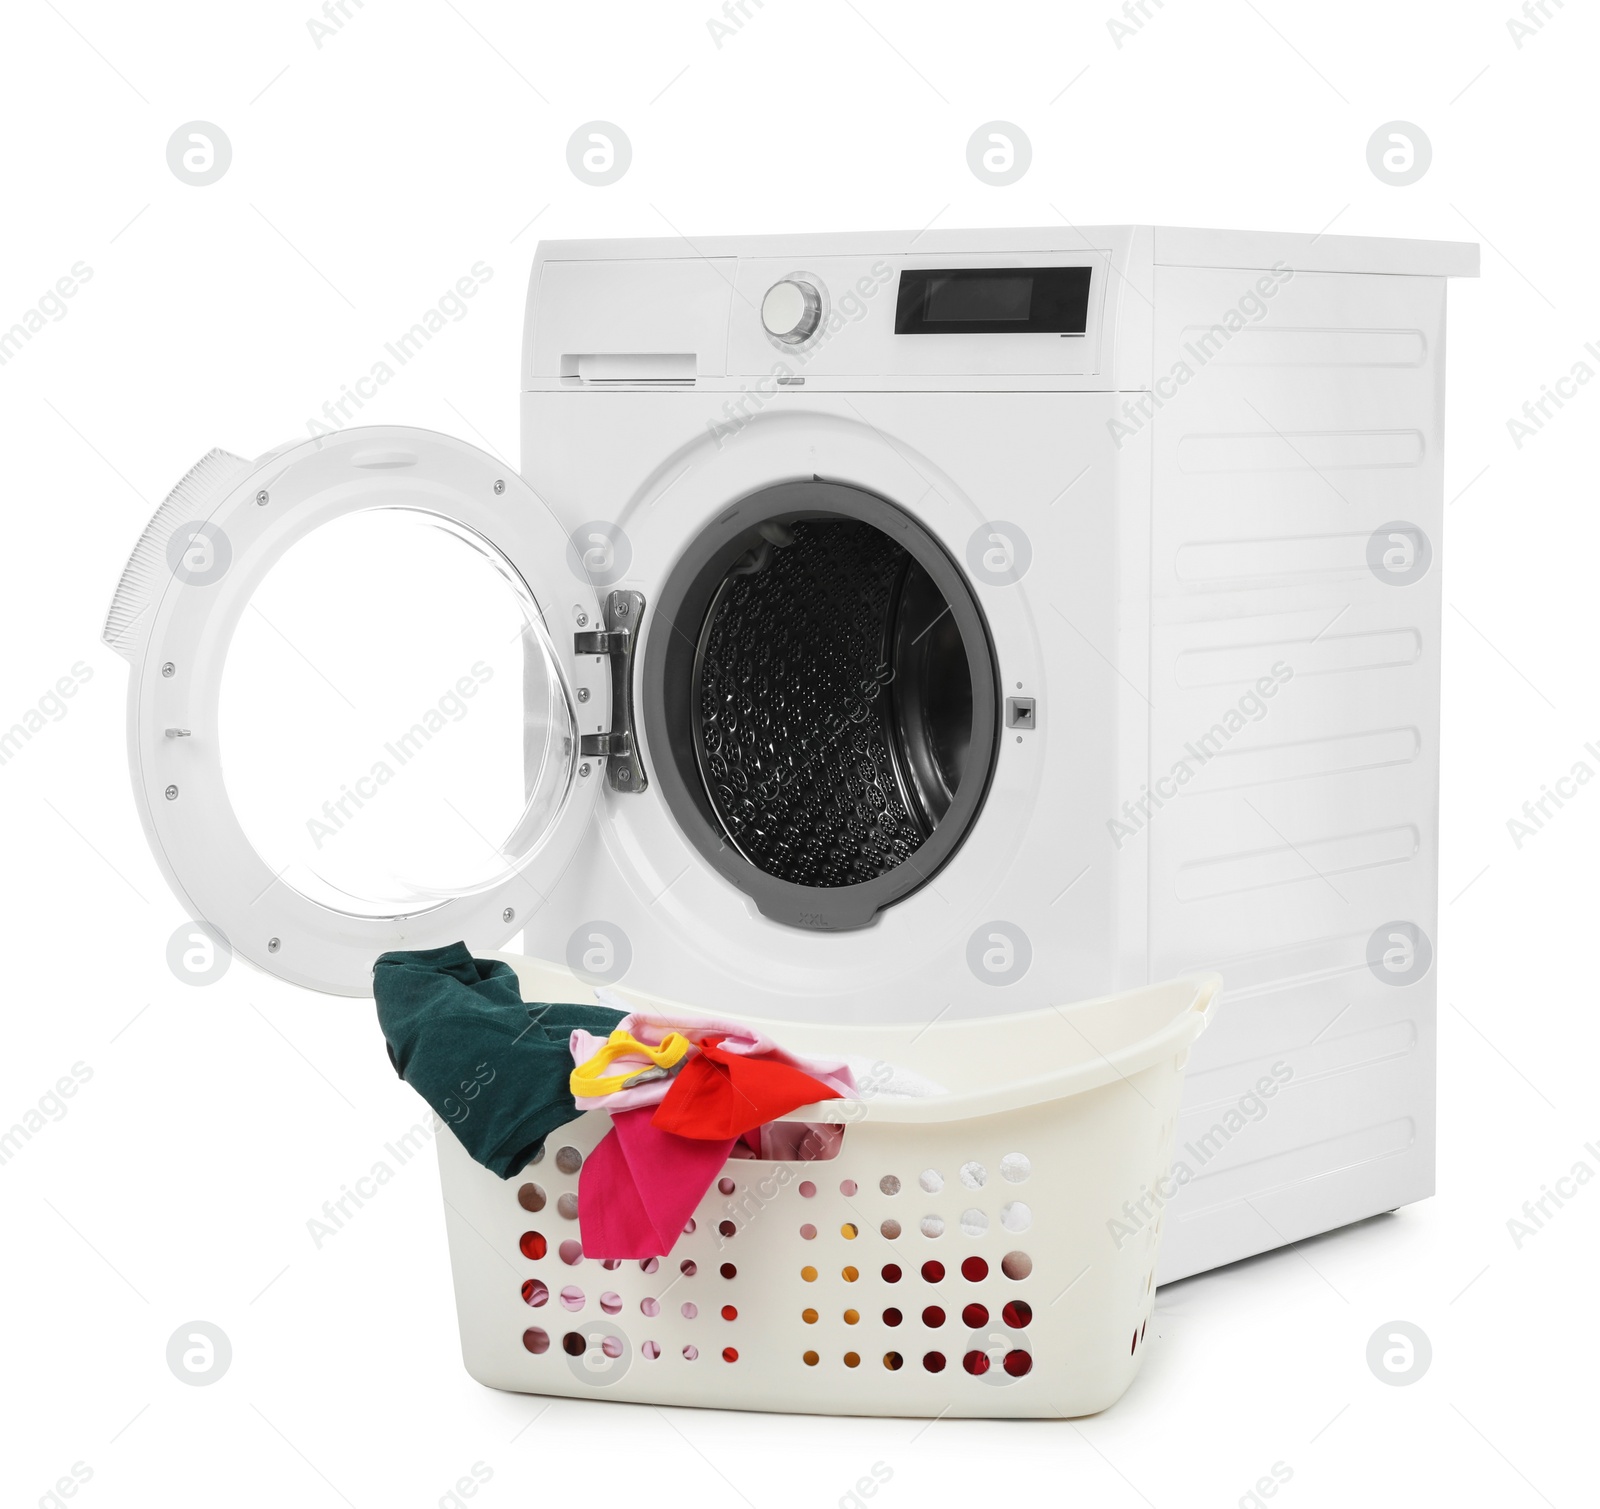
(624, 613)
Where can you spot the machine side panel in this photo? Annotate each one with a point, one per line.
(1292, 815)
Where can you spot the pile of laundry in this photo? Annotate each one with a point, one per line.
(683, 1096)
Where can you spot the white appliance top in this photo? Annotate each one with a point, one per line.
(1162, 245)
(903, 309)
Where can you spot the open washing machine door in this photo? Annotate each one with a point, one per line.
(370, 704)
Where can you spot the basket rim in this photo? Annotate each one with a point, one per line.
(1192, 999)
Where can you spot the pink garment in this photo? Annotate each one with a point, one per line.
(737, 1037)
(640, 1185)
(584, 1047)
(799, 1141)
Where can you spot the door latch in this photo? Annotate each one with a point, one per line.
(617, 746)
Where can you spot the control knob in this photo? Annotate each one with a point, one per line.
(791, 311)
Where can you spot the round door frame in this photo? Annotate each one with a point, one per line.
(669, 655)
(178, 664)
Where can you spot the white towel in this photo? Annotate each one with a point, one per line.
(876, 1078)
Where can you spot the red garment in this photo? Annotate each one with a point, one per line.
(719, 1095)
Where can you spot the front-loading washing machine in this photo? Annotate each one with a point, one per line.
(886, 627)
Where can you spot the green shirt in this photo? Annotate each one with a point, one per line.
(493, 1067)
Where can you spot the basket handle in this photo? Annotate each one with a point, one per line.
(1168, 1041)
(1210, 989)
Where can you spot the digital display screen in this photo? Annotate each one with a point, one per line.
(997, 296)
(999, 300)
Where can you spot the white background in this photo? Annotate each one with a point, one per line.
(368, 175)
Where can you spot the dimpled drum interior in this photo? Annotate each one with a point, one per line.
(829, 702)
(833, 703)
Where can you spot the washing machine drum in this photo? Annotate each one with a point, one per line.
(826, 699)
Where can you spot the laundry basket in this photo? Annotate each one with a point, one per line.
(991, 1251)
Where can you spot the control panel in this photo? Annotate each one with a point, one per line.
(862, 319)
(905, 317)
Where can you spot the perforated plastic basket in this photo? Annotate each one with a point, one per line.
(987, 1252)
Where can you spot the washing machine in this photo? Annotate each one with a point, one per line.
(891, 627)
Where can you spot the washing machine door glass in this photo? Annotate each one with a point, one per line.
(356, 711)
